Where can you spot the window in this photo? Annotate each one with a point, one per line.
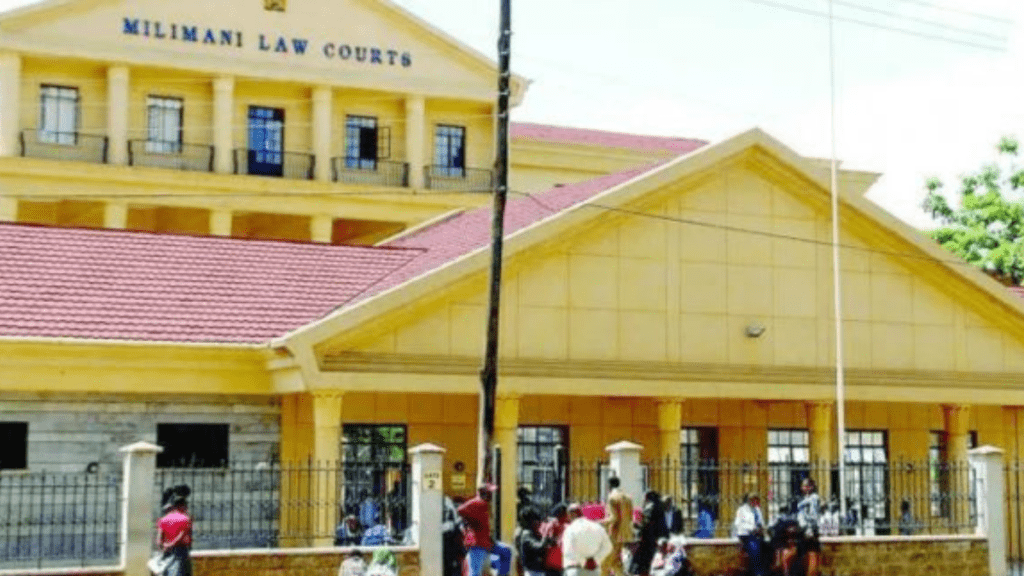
(14, 448)
(192, 445)
(450, 151)
(542, 462)
(164, 118)
(789, 457)
(698, 454)
(361, 139)
(867, 479)
(58, 115)
(376, 475)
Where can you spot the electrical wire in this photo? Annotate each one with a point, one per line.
(923, 21)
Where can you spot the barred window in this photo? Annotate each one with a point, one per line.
(867, 479)
(698, 452)
(14, 448)
(58, 114)
(361, 142)
(450, 150)
(192, 445)
(164, 118)
(789, 457)
(543, 453)
(376, 474)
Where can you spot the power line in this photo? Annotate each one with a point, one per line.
(979, 15)
(924, 21)
(875, 25)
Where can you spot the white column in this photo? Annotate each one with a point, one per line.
(117, 114)
(10, 104)
(624, 461)
(321, 229)
(115, 215)
(323, 98)
(137, 506)
(427, 506)
(987, 462)
(8, 209)
(415, 133)
(223, 119)
(220, 222)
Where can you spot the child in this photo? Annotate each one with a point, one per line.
(354, 565)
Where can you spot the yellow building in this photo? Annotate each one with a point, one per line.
(272, 228)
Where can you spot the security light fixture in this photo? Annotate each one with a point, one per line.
(754, 330)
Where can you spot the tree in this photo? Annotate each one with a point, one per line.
(987, 229)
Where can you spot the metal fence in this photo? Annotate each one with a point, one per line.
(291, 165)
(372, 172)
(59, 519)
(882, 498)
(64, 146)
(264, 505)
(172, 155)
(454, 179)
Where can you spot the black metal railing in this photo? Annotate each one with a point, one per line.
(286, 505)
(291, 165)
(64, 146)
(373, 172)
(172, 155)
(458, 179)
(59, 519)
(882, 498)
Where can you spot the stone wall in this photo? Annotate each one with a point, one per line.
(881, 556)
(291, 562)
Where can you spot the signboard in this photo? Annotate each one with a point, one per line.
(458, 481)
(432, 481)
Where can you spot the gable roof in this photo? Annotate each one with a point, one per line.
(116, 285)
(603, 138)
(455, 249)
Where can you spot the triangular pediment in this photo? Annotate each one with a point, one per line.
(731, 268)
(360, 43)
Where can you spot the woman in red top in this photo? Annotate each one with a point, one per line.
(174, 533)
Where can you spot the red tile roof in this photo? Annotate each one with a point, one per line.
(104, 284)
(547, 133)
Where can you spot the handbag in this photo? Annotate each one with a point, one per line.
(159, 563)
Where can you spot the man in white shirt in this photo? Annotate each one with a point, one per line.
(749, 527)
(584, 545)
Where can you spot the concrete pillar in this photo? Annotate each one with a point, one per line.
(821, 440)
(415, 135)
(987, 462)
(624, 462)
(223, 120)
(321, 229)
(506, 435)
(8, 209)
(137, 506)
(323, 98)
(326, 458)
(115, 215)
(220, 222)
(957, 419)
(427, 504)
(117, 114)
(10, 104)
(666, 473)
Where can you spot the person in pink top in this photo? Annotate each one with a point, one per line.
(174, 532)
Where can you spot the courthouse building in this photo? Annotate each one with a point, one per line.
(267, 221)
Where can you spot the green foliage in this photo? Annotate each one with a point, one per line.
(987, 229)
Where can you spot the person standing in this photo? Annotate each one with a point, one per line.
(808, 515)
(532, 545)
(585, 544)
(476, 513)
(618, 521)
(174, 532)
(673, 516)
(749, 527)
(652, 529)
(553, 530)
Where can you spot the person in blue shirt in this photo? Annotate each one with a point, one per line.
(369, 510)
(705, 523)
(378, 535)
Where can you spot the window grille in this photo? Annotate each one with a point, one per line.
(164, 117)
(58, 115)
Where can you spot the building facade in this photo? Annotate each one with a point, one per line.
(248, 233)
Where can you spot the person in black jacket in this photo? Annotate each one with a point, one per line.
(652, 529)
(533, 548)
(673, 516)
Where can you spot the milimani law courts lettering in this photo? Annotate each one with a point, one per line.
(234, 39)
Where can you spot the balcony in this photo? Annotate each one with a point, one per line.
(372, 172)
(172, 155)
(73, 146)
(291, 165)
(454, 179)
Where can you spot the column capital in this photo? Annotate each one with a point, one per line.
(322, 91)
(327, 394)
(509, 396)
(224, 83)
(672, 400)
(117, 72)
(955, 407)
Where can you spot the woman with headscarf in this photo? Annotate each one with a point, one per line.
(652, 529)
(174, 533)
(383, 563)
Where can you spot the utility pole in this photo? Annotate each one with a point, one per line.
(489, 372)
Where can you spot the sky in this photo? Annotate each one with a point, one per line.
(909, 105)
